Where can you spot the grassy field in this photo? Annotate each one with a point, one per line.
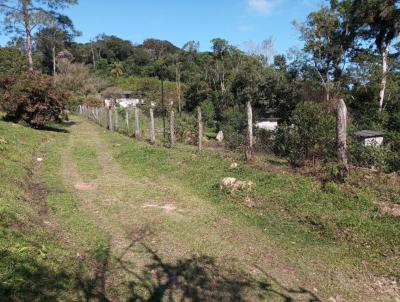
(341, 221)
(107, 218)
(44, 236)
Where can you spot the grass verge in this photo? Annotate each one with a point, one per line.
(39, 259)
(343, 227)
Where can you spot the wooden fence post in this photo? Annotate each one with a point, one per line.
(172, 128)
(249, 134)
(109, 119)
(127, 120)
(116, 119)
(137, 129)
(341, 136)
(97, 116)
(200, 125)
(152, 129)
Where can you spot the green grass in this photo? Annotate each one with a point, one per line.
(85, 159)
(51, 250)
(38, 257)
(343, 227)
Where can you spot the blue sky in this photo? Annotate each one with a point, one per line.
(179, 21)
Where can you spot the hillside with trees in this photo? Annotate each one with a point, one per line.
(313, 184)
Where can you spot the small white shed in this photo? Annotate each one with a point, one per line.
(370, 137)
(269, 124)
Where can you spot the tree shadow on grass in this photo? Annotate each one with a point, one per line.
(26, 279)
(196, 278)
(105, 278)
(60, 127)
(201, 278)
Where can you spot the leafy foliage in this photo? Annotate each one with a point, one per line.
(31, 97)
(311, 134)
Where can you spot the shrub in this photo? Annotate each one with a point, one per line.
(93, 100)
(264, 140)
(385, 158)
(31, 97)
(370, 156)
(311, 135)
(208, 113)
(393, 141)
(233, 126)
(186, 129)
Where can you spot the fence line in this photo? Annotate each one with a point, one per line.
(109, 118)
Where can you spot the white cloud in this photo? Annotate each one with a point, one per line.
(262, 6)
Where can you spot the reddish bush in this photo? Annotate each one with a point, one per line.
(31, 97)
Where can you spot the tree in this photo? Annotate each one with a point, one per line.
(328, 39)
(53, 38)
(117, 70)
(23, 17)
(12, 61)
(376, 21)
(384, 25)
(75, 78)
(264, 50)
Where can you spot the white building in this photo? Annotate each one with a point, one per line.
(125, 100)
(269, 124)
(370, 137)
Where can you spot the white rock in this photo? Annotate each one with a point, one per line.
(39, 159)
(220, 136)
(233, 184)
(234, 165)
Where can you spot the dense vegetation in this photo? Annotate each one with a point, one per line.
(68, 194)
(350, 52)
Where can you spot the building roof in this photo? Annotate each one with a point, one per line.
(368, 133)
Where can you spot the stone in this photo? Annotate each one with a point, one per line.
(220, 136)
(232, 184)
(227, 182)
(234, 165)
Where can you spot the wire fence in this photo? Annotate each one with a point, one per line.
(147, 124)
(158, 126)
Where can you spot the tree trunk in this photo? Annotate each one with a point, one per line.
(28, 33)
(341, 136)
(54, 60)
(152, 130)
(200, 125)
(93, 55)
(249, 136)
(385, 58)
(172, 128)
(137, 129)
(328, 92)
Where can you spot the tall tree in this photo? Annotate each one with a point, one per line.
(54, 38)
(23, 17)
(328, 36)
(384, 23)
